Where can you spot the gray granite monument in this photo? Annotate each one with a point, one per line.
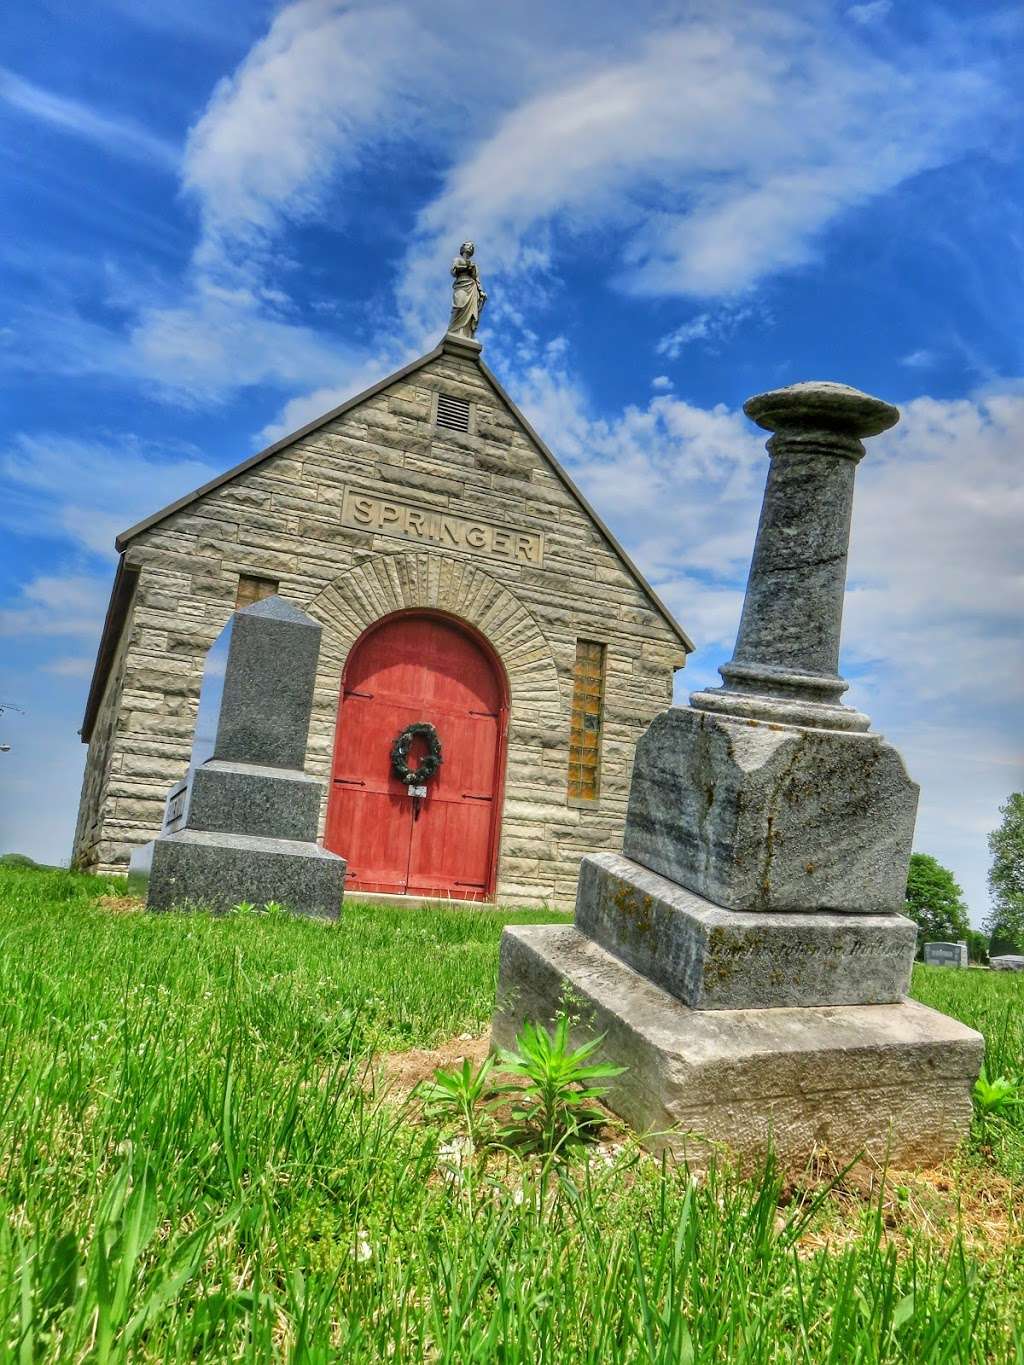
(745, 955)
(241, 825)
(945, 954)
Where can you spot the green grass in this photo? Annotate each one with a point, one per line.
(992, 1003)
(194, 1165)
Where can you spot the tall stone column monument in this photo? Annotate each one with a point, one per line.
(745, 955)
(241, 825)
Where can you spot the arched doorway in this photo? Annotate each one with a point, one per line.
(419, 666)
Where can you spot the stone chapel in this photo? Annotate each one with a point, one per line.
(461, 580)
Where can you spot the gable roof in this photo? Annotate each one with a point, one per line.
(450, 345)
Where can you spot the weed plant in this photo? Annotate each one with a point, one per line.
(194, 1166)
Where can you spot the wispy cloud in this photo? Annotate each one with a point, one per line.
(711, 329)
(57, 605)
(72, 667)
(320, 88)
(118, 134)
(718, 148)
(84, 492)
(870, 12)
(713, 152)
(919, 360)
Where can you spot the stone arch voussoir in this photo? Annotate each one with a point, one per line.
(386, 583)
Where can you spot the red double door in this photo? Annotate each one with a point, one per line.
(419, 667)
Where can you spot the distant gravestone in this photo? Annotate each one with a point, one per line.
(241, 825)
(945, 954)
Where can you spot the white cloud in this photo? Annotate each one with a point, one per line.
(117, 134)
(220, 340)
(57, 605)
(937, 560)
(72, 667)
(84, 493)
(672, 343)
(319, 88)
(869, 12)
(718, 147)
(201, 348)
(919, 360)
(710, 328)
(661, 383)
(714, 145)
(307, 407)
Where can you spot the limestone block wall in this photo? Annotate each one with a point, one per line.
(103, 761)
(292, 517)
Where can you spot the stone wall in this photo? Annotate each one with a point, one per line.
(102, 762)
(476, 524)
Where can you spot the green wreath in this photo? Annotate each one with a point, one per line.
(430, 762)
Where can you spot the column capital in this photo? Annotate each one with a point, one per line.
(822, 406)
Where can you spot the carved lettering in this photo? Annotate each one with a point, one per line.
(444, 529)
(525, 546)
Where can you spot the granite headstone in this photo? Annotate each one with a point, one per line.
(945, 954)
(241, 824)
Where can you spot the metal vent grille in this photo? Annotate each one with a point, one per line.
(452, 413)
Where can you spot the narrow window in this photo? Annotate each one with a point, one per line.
(452, 413)
(585, 734)
(252, 590)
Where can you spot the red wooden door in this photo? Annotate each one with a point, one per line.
(418, 667)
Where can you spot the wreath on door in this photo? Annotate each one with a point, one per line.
(429, 763)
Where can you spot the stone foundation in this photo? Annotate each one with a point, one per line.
(892, 1082)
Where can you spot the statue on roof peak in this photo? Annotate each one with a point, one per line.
(468, 297)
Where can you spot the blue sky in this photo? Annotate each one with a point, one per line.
(221, 220)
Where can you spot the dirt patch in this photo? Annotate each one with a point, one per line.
(940, 1204)
(399, 1073)
(121, 905)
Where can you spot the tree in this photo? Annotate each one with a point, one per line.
(935, 902)
(1006, 879)
(977, 946)
(17, 860)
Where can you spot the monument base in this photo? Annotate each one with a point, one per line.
(710, 958)
(890, 1081)
(217, 871)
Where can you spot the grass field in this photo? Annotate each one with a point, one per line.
(197, 1165)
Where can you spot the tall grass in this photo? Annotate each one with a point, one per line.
(193, 1165)
(992, 1003)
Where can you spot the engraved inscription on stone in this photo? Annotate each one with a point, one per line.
(432, 526)
(177, 807)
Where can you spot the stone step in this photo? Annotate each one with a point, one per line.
(715, 959)
(890, 1081)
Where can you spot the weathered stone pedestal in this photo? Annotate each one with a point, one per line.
(746, 956)
(886, 1080)
(241, 826)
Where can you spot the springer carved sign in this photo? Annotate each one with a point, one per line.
(432, 526)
